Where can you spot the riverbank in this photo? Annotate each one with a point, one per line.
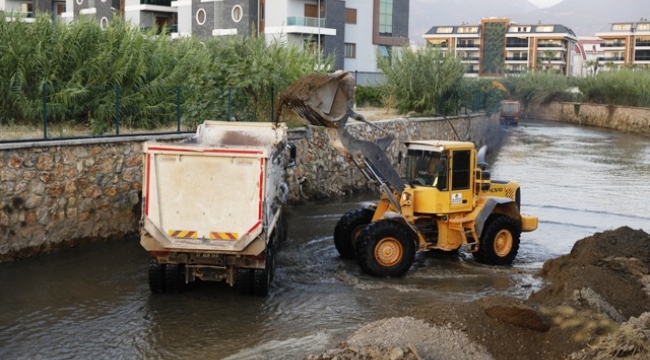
(622, 118)
(595, 305)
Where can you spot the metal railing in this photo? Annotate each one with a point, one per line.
(305, 21)
(50, 112)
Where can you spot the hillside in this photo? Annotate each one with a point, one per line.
(584, 17)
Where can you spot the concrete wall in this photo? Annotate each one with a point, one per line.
(622, 118)
(67, 193)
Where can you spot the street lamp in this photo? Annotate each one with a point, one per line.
(318, 48)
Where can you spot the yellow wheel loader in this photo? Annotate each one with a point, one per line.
(446, 199)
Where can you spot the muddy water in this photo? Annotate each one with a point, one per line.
(95, 303)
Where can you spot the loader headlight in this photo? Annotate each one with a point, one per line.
(406, 197)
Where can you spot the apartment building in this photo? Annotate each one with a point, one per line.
(625, 43)
(353, 31)
(498, 46)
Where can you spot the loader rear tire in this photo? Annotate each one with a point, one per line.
(385, 248)
(500, 241)
(174, 278)
(347, 230)
(156, 277)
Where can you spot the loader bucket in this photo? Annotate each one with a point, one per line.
(321, 99)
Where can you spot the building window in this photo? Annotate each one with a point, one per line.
(445, 30)
(519, 29)
(350, 51)
(350, 16)
(237, 13)
(621, 27)
(26, 9)
(103, 23)
(643, 27)
(384, 51)
(79, 2)
(311, 10)
(468, 30)
(200, 16)
(386, 17)
(545, 28)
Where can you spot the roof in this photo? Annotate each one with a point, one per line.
(438, 145)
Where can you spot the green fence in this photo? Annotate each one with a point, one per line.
(53, 112)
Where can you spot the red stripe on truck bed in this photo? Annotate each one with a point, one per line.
(215, 151)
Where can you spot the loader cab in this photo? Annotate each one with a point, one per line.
(441, 176)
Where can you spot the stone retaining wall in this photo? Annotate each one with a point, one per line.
(67, 193)
(622, 118)
(321, 171)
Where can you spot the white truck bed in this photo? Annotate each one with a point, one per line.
(208, 194)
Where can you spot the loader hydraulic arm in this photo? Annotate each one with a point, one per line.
(323, 100)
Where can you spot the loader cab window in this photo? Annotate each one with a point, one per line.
(461, 174)
(426, 168)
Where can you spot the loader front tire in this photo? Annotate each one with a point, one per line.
(347, 230)
(156, 277)
(500, 241)
(385, 248)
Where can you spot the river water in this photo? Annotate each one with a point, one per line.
(95, 303)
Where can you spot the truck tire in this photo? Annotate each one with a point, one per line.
(347, 230)
(174, 278)
(262, 278)
(244, 281)
(499, 242)
(156, 277)
(385, 248)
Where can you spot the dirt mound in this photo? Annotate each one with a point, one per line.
(596, 306)
(607, 272)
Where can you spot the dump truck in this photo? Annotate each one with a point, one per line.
(509, 112)
(214, 206)
(445, 201)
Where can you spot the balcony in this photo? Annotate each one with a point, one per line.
(516, 58)
(613, 44)
(156, 2)
(516, 44)
(550, 45)
(642, 43)
(468, 45)
(305, 21)
(547, 58)
(611, 58)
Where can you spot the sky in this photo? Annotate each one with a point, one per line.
(545, 3)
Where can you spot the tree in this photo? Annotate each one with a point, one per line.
(423, 80)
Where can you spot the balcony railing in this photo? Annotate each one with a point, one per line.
(517, 58)
(471, 71)
(469, 58)
(468, 45)
(642, 58)
(305, 21)
(546, 58)
(516, 44)
(643, 43)
(549, 45)
(613, 44)
(156, 2)
(611, 58)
